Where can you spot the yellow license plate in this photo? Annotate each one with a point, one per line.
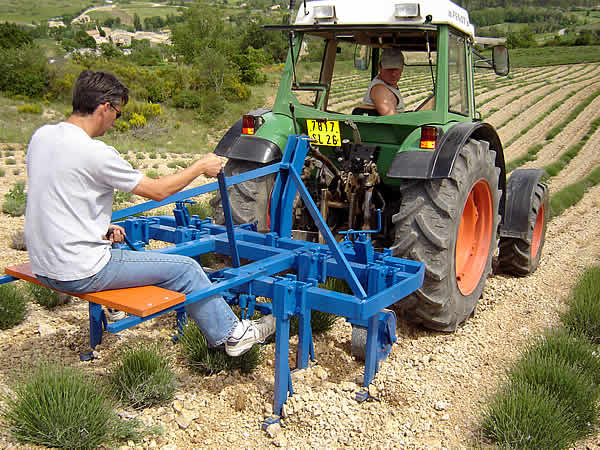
(324, 132)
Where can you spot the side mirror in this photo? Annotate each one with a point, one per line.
(500, 60)
(362, 57)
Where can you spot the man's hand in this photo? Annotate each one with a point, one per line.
(212, 164)
(114, 234)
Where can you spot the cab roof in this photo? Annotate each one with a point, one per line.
(386, 13)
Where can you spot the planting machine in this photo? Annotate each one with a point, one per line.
(312, 191)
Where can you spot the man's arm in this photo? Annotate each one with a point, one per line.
(385, 101)
(161, 188)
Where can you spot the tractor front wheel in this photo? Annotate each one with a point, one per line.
(450, 225)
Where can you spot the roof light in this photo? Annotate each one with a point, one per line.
(428, 138)
(407, 10)
(324, 12)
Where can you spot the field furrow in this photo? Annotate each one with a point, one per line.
(537, 134)
(572, 133)
(586, 160)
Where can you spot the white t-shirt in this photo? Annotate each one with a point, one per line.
(72, 178)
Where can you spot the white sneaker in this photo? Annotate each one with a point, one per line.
(114, 314)
(256, 331)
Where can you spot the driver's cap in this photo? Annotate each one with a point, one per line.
(392, 58)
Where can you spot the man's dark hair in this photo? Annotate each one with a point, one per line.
(95, 88)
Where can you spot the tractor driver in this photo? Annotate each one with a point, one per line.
(72, 178)
(383, 93)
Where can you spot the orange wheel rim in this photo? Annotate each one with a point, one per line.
(474, 237)
(538, 231)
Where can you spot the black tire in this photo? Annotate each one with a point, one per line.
(249, 200)
(521, 257)
(426, 229)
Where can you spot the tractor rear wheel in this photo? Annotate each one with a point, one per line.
(521, 256)
(249, 200)
(450, 225)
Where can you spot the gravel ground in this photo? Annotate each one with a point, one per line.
(429, 393)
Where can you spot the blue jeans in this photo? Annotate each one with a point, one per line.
(178, 273)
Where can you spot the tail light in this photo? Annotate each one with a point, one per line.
(428, 138)
(249, 124)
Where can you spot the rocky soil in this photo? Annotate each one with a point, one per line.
(430, 392)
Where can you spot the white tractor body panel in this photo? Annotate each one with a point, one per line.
(384, 12)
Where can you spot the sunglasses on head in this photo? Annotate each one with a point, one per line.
(116, 110)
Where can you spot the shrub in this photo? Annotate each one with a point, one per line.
(208, 360)
(211, 108)
(137, 121)
(23, 71)
(524, 416)
(140, 155)
(152, 174)
(571, 386)
(148, 110)
(121, 197)
(30, 109)
(143, 376)
(46, 297)
(152, 155)
(16, 200)
(237, 92)
(2, 172)
(12, 306)
(58, 406)
(121, 126)
(573, 349)
(187, 99)
(172, 165)
(11, 161)
(17, 241)
(583, 314)
(202, 208)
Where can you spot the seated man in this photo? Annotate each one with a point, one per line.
(72, 179)
(383, 93)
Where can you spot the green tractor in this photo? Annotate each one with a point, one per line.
(430, 179)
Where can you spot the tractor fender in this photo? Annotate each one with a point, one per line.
(234, 145)
(520, 190)
(439, 163)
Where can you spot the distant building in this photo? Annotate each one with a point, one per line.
(84, 18)
(56, 24)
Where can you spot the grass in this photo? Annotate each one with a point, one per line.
(583, 315)
(15, 200)
(27, 11)
(555, 168)
(143, 376)
(520, 415)
(46, 297)
(201, 208)
(550, 398)
(58, 406)
(13, 307)
(206, 360)
(552, 56)
(572, 115)
(571, 194)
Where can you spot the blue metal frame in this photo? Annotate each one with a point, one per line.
(377, 279)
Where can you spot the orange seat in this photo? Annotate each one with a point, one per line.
(140, 301)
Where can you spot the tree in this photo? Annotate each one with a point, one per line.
(202, 28)
(13, 36)
(137, 23)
